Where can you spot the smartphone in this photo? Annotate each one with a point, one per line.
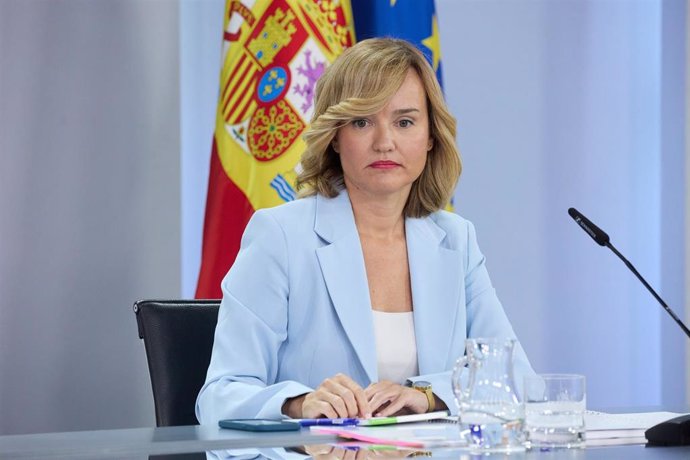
(253, 424)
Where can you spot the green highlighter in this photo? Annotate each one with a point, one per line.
(378, 421)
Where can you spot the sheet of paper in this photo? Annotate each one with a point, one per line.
(599, 421)
(615, 441)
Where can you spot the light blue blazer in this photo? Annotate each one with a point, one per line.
(296, 307)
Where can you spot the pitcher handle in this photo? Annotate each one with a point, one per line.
(458, 390)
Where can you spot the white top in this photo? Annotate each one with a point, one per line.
(396, 346)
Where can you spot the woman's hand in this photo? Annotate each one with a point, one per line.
(336, 397)
(388, 398)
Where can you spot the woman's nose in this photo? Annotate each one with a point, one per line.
(383, 139)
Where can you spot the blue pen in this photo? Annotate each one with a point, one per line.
(328, 421)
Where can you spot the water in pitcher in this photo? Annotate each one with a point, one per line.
(493, 427)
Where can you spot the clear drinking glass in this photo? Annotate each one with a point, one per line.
(555, 411)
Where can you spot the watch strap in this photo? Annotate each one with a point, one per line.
(426, 389)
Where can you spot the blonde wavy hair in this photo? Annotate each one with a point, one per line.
(359, 83)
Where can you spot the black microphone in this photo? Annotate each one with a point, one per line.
(672, 432)
(592, 230)
(602, 239)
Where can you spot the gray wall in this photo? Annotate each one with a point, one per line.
(89, 206)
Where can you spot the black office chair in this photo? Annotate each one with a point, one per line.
(178, 337)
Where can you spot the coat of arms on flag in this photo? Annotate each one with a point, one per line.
(274, 51)
(274, 54)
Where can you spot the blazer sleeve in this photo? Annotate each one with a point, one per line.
(485, 318)
(252, 326)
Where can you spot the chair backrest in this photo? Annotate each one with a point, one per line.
(178, 337)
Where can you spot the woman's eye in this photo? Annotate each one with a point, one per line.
(405, 123)
(359, 123)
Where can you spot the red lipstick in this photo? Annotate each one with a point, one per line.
(384, 164)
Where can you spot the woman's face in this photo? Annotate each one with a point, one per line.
(383, 154)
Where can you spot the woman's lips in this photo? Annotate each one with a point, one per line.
(384, 164)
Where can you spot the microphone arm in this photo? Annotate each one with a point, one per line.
(602, 239)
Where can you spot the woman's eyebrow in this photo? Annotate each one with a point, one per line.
(404, 111)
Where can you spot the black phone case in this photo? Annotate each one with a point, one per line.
(259, 425)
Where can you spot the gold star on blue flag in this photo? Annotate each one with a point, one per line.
(412, 20)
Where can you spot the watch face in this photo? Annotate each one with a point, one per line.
(422, 385)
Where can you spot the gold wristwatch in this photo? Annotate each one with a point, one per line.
(425, 387)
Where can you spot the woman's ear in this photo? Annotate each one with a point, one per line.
(334, 144)
(430, 144)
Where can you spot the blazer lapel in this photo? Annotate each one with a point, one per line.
(435, 274)
(342, 265)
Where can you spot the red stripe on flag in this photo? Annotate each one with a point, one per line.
(249, 104)
(227, 212)
(229, 90)
(234, 71)
(240, 82)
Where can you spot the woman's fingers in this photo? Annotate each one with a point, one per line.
(379, 395)
(341, 396)
(359, 400)
(387, 398)
(397, 403)
(315, 407)
(356, 397)
(337, 397)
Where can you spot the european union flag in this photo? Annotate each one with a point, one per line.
(412, 20)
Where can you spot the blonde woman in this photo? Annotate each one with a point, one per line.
(356, 299)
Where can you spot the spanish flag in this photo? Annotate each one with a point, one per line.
(274, 51)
